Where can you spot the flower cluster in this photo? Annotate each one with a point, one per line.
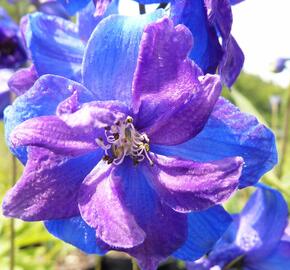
(126, 140)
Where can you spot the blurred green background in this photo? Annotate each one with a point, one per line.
(36, 249)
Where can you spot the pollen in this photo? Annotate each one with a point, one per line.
(121, 140)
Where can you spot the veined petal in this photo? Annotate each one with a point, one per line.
(71, 134)
(230, 132)
(171, 98)
(187, 186)
(204, 229)
(111, 56)
(87, 20)
(279, 259)
(22, 80)
(42, 99)
(48, 188)
(55, 45)
(72, 6)
(75, 232)
(207, 51)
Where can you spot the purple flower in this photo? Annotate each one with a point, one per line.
(279, 65)
(12, 53)
(137, 157)
(255, 239)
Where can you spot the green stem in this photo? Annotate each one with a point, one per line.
(12, 225)
(272, 181)
(285, 136)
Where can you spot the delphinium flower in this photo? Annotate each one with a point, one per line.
(137, 157)
(255, 240)
(279, 65)
(12, 52)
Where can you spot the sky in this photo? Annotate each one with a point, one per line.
(262, 29)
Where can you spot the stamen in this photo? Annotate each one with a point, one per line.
(124, 140)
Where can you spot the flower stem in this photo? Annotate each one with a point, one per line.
(285, 136)
(98, 263)
(12, 225)
(142, 9)
(135, 265)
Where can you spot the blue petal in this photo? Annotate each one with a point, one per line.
(204, 229)
(55, 46)
(42, 99)
(53, 8)
(72, 6)
(279, 259)
(207, 51)
(75, 232)
(87, 21)
(4, 101)
(228, 133)
(145, 2)
(266, 214)
(111, 56)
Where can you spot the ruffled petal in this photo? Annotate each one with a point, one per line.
(279, 259)
(75, 232)
(48, 188)
(72, 6)
(111, 56)
(42, 99)
(207, 51)
(70, 134)
(87, 20)
(204, 229)
(229, 132)
(55, 45)
(193, 186)
(173, 110)
(22, 80)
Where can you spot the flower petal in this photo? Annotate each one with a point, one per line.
(49, 186)
(71, 134)
(193, 186)
(262, 221)
(75, 232)
(42, 99)
(207, 51)
(279, 259)
(162, 106)
(55, 45)
(72, 6)
(204, 229)
(111, 56)
(22, 80)
(229, 132)
(87, 20)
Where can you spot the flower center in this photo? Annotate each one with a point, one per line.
(124, 140)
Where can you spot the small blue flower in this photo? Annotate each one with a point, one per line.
(255, 240)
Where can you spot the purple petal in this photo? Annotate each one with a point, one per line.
(23, 80)
(48, 188)
(101, 207)
(193, 186)
(165, 229)
(163, 106)
(71, 134)
(232, 62)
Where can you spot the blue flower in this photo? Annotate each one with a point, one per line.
(125, 159)
(255, 240)
(5, 74)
